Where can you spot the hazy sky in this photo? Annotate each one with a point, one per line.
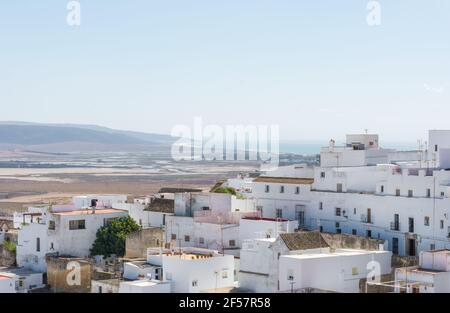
(316, 68)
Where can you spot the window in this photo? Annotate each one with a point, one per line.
(267, 188)
(140, 222)
(442, 224)
(354, 232)
(173, 237)
(38, 244)
(397, 192)
(354, 211)
(435, 148)
(100, 289)
(338, 211)
(338, 231)
(194, 283)
(339, 188)
(322, 174)
(369, 233)
(320, 205)
(382, 189)
(51, 246)
(426, 221)
(411, 225)
(205, 208)
(232, 243)
(279, 213)
(297, 190)
(51, 225)
(321, 229)
(290, 274)
(410, 193)
(428, 193)
(355, 271)
(442, 194)
(77, 224)
(337, 225)
(201, 240)
(432, 247)
(395, 245)
(224, 275)
(187, 238)
(281, 189)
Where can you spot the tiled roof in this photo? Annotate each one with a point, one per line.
(161, 205)
(303, 240)
(177, 190)
(284, 180)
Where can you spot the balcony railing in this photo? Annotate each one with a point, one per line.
(395, 226)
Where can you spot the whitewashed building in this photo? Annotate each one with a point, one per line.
(431, 276)
(402, 197)
(60, 230)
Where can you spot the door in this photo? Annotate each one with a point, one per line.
(300, 215)
(395, 246)
(412, 247)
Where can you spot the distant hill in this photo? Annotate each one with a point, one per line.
(67, 138)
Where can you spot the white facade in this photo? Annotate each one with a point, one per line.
(406, 203)
(338, 271)
(431, 276)
(19, 280)
(63, 230)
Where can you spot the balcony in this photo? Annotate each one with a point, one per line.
(395, 226)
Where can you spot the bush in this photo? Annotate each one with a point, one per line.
(111, 238)
(228, 190)
(10, 246)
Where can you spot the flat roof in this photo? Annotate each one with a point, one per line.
(143, 283)
(343, 252)
(284, 180)
(89, 212)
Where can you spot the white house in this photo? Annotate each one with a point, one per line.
(340, 270)
(19, 280)
(363, 189)
(193, 270)
(431, 276)
(63, 230)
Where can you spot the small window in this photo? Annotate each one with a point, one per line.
(322, 174)
(320, 205)
(279, 213)
(432, 247)
(297, 190)
(426, 221)
(320, 229)
(369, 233)
(442, 224)
(382, 189)
(442, 194)
(194, 283)
(435, 148)
(173, 237)
(338, 211)
(354, 211)
(205, 208)
(281, 189)
(224, 275)
(410, 193)
(77, 224)
(337, 224)
(397, 192)
(355, 271)
(201, 240)
(354, 232)
(232, 243)
(38, 244)
(338, 231)
(51, 225)
(428, 193)
(267, 188)
(187, 238)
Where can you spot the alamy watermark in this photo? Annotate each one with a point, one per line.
(374, 13)
(229, 143)
(73, 17)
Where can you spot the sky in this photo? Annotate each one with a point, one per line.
(315, 68)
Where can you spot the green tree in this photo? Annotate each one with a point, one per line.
(111, 238)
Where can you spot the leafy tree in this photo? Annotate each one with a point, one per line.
(111, 238)
(228, 190)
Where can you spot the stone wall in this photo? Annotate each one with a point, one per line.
(7, 258)
(137, 243)
(345, 241)
(69, 275)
